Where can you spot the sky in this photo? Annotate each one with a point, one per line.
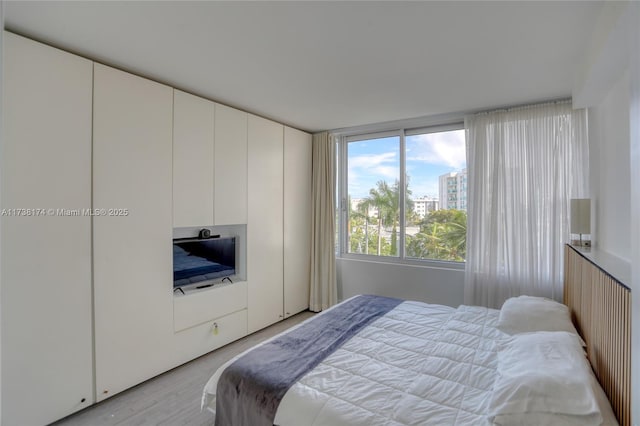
(428, 156)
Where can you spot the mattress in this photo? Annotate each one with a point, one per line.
(417, 364)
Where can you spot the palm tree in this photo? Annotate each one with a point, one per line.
(455, 237)
(363, 210)
(356, 220)
(392, 214)
(382, 199)
(443, 235)
(428, 243)
(386, 199)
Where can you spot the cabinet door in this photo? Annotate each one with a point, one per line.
(230, 168)
(297, 220)
(193, 119)
(132, 252)
(264, 230)
(46, 255)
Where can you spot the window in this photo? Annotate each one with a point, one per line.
(404, 194)
(373, 176)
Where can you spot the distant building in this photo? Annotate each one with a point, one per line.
(421, 206)
(453, 190)
(424, 205)
(355, 203)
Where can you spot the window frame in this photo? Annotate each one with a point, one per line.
(343, 193)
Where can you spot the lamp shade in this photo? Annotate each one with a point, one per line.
(581, 216)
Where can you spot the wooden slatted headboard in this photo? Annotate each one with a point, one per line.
(600, 307)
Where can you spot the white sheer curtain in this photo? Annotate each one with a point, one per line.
(524, 165)
(323, 292)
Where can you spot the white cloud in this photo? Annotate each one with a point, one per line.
(446, 148)
(376, 166)
(367, 169)
(372, 160)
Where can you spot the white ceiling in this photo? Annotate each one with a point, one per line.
(328, 65)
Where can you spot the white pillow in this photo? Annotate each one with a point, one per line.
(526, 314)
(543, 378)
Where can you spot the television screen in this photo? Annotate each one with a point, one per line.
(196, 261)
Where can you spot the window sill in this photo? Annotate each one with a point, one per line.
(430, 264)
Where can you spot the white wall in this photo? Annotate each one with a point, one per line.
(610, 170)
(634, 47)
(1, 168)
(615, 188)
(431, 285)
(610, 87)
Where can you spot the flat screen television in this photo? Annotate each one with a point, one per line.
(199, 261)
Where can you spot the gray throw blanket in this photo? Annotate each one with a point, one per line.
(251, 388)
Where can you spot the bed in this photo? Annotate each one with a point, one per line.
(410, 363)
(417, 364)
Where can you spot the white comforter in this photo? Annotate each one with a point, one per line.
(419, 364)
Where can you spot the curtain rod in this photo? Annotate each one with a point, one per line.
(522, 106)
(434, 120)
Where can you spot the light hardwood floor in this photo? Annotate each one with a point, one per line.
(172, 398)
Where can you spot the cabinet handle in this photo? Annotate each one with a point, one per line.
(83, 400)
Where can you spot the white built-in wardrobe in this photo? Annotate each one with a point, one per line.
(87, 303)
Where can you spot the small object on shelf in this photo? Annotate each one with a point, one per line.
(581, 220)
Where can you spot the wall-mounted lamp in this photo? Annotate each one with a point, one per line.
(581, 218)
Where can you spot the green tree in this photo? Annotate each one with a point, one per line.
(455, 237)
(427, 243)
(385, 200)
(445, 216)
(380, 198)
(442, 236)
(357, 229)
